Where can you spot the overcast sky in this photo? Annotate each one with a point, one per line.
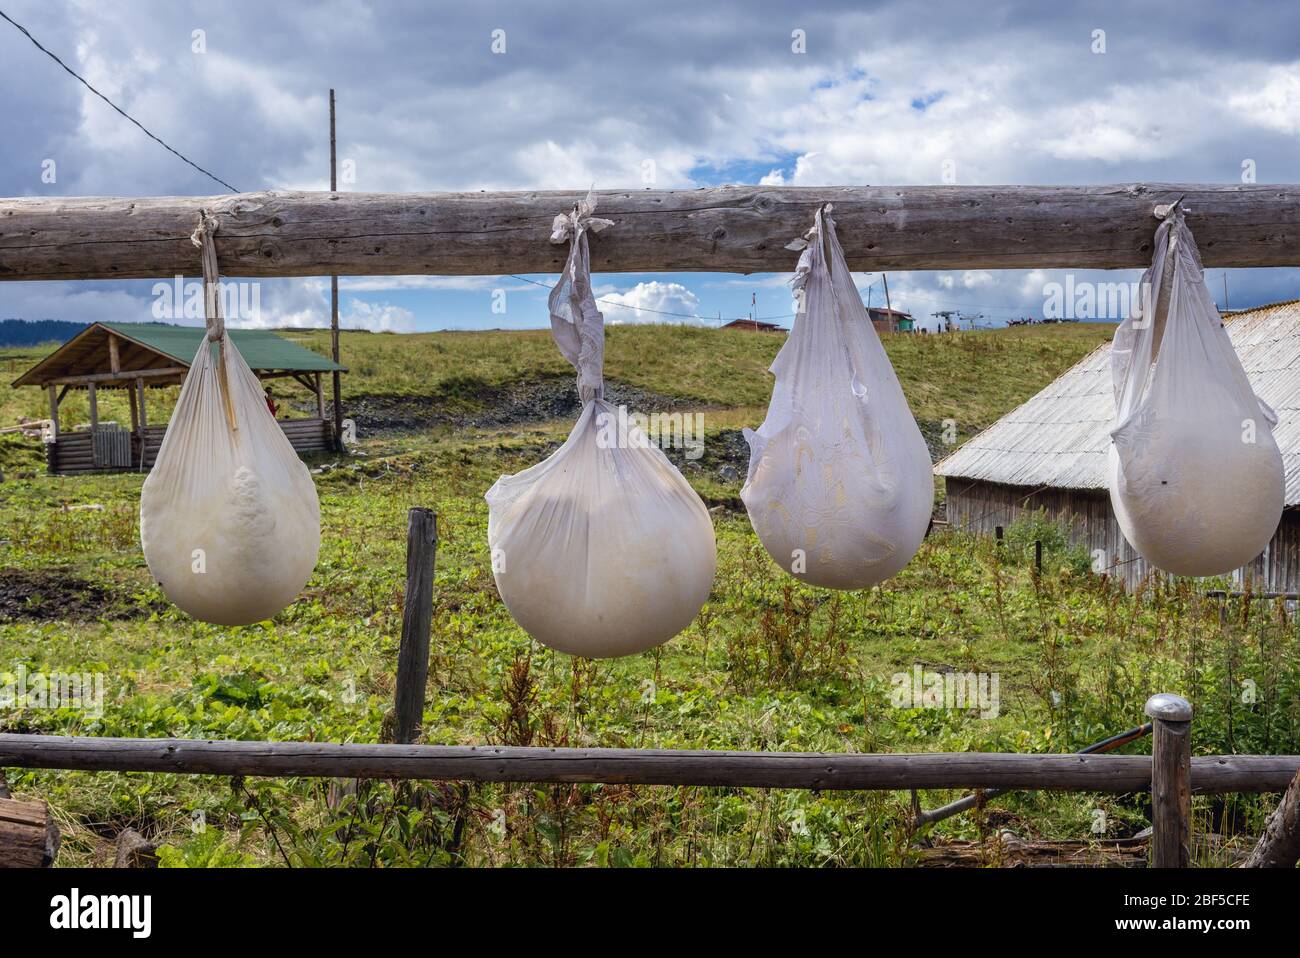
(709, 92)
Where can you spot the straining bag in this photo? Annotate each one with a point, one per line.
(839, 487)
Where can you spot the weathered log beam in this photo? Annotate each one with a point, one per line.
(28, 836)
(730, 229)
(1087, 773)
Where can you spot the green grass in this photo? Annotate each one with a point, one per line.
(769, 664)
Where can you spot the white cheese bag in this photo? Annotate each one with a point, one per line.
(603, 549)
(1196, 477)
(839, 487)
(229, 519)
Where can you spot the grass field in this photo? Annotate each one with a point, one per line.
(768, 664)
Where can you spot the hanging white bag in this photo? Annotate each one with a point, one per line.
(839, 487)
(1196, 477)
(602, 549)
(229, 519)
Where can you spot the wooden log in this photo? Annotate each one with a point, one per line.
(417, 621)
(1171, 781)
(729, 228)
(93, 399)
(120, 377)
(900, 771)
(28, 836)
(1279, 846)
(114, 354)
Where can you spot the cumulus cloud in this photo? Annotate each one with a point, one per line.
(647, 302)
(378, 318)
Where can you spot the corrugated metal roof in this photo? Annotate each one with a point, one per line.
(144, 346)
(261, 348)
(1061, 436)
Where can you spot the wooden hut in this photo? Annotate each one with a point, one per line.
(140, 356)
(890, 320)
(1050, 454)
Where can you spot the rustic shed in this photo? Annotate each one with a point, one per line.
(888, 320)
(1050, 454)
(137, 356)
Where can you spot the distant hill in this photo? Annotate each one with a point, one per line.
(33, 332)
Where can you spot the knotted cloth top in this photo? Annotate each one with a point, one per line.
(202, 237)
(576, 324)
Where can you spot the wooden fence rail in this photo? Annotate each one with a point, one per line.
(730, 229)
(926, 770)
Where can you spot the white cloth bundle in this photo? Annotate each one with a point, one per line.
(229, 519)
(1196, 478)
(603, 549)
(839, 488)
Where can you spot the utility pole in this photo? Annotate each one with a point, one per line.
(334, 300)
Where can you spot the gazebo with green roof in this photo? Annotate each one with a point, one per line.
(136, 356)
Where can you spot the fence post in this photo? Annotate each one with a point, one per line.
(1171, 781)
(417, 619)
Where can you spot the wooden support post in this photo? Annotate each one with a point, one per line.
(28, 836)
(417, 620)
(54, 411)
(114, 357)
(1171, 781)
(144, 418)
(334, 302)
(93, 399)
(320, 397)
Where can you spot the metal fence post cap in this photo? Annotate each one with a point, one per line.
(1169, 707)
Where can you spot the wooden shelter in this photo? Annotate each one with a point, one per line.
(138, 356)
(890, 320)
(1050, 454)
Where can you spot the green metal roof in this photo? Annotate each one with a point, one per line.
(260, 348)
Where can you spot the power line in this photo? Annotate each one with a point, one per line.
(27, 33)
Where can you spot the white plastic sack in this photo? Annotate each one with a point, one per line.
(839, 488)
(1196, 478)
(229, 519)
(603, 549)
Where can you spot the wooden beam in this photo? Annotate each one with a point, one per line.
(55, 396)
(320, 396)
(730, 228)
(114, 356)
(93, 399)
(893, 771)
(124, 378)
(140, 393)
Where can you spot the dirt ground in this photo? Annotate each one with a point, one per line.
(493, 407)
(55, 594)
